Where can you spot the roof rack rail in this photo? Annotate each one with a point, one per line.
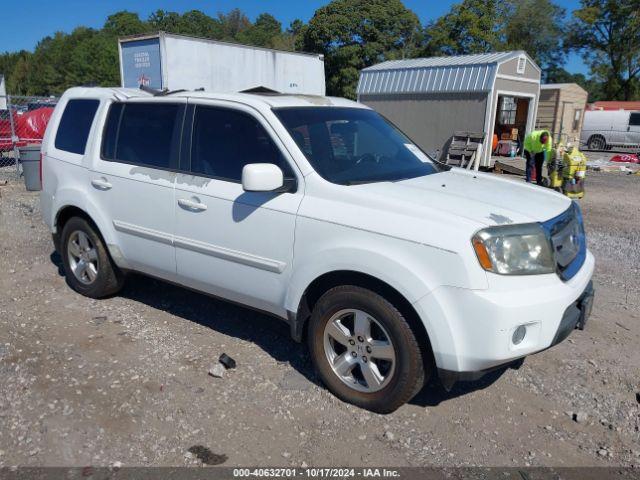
(260, 89)
(119, 95)
(153, 91)
(160, 93)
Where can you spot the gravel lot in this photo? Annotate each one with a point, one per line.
(125, 379)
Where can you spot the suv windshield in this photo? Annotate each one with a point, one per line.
(354, 145)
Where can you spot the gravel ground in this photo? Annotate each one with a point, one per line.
(126, 379)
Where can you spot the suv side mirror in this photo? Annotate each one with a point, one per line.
(262, 177)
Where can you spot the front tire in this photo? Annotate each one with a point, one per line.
(364, 350)
(88, 267)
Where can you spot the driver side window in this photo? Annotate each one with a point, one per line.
(225, 140)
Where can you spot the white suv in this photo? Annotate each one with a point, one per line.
(318, 211)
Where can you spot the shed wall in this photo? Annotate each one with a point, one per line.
(430, 119)
(510, 67)
(577, 103)
(567, 102)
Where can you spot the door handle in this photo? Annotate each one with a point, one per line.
(192, 205)
(101, 183)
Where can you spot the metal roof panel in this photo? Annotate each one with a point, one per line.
(463, 73)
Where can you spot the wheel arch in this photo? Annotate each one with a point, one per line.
(91, 215)
(299, 320)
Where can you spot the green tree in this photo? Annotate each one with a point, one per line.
(607, 33)
(472, 26)
(195, 22)
(354, 34)
(593, 86)
(17, 77)
(483, 26)
(264, 32)
(95, 62)
(292, 38)
(14, 67)
(161, 20)
(49, 64)
(536, 26)
(233, 23)
(125, 23)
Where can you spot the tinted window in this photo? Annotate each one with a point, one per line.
(75, 124)
(634, 119)
(143, 134)
(224, 141)
(111, 131)
(354, 145)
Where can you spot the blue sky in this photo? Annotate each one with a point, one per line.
(38, 18)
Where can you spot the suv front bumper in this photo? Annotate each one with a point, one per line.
(575, 316)
(471, 331)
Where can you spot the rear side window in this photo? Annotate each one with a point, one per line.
(143, 134)
(226, 140)
(634, 119)
(73, 130)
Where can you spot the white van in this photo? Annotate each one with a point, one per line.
(604, 129)
(316, 210)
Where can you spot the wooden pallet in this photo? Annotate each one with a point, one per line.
(462, 148)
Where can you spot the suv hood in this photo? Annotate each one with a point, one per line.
(481, 198)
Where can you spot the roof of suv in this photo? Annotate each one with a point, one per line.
(272, 100)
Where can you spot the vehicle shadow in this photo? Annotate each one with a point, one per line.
(56, 259)
(269, 333)
(433, 393)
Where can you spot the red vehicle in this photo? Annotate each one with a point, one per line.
(29, 127)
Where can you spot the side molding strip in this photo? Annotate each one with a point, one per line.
(147, 233)
(202, 247)
(231, 255)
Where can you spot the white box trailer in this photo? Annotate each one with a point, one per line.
(3, 94)
(174, 62)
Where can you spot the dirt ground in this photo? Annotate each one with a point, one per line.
(125, 379)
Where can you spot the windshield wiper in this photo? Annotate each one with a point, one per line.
(362, 182)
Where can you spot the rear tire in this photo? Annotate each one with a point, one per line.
(88, 267)
(378, 370)
(597, 143)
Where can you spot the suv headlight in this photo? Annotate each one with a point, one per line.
(514, 250)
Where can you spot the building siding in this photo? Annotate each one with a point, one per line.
(567, 99)
(510, 68)
(430, 119)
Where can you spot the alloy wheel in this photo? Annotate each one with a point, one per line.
(83, 257)
(359, 350)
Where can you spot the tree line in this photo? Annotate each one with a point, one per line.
(354, 34)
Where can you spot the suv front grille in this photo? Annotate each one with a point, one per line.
(566, 234)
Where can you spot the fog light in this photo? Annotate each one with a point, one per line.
(519, 334)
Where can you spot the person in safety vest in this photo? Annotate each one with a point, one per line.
(537, 149)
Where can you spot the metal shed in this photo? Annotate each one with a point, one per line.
(165, 60)
(431, 98)
(561, 110)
